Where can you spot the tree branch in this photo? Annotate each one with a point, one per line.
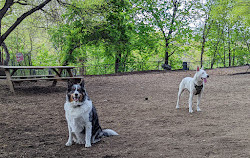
(5, 8)
(63, 3)
(22, 3)
(171, 53)
(21, 18)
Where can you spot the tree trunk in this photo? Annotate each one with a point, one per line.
(7, 59)
(2, 61)
(229, 50)
(168, 38)
(203, 41)
(224, 54)
(216, 47)
(70, 52)
(224, 50)
(204, 36)
(215, 52)
(66, 62)
(233, 59)
(202, 48)
(118, 62)
(234, 54)
(166, 54)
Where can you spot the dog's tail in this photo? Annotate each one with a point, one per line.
(109, 132)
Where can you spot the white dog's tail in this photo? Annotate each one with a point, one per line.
(109, 132)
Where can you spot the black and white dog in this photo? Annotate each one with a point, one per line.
(82, 117)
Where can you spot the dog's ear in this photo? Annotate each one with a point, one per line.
(70, 84)
(198, 68)
(82, 84)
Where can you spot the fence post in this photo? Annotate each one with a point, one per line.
(85, 70)
(82, 70)
(184, 65)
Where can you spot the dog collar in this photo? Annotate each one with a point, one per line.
(77, 106)
(198, 89)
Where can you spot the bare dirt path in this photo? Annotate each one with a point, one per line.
(32, 123)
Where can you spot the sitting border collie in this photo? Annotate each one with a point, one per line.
(82, 117)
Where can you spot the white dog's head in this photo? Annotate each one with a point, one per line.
(201, 74)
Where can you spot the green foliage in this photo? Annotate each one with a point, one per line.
(169, 19)
(80, 28)
(132, 34)
(241, 10)
(44, 58)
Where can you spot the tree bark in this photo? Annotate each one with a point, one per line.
(215, 52)
(224, 53)
(70, 52)
(6, 51)
(7, 5)
(168, 38)
(203, 47)
(229, 50)
(204, 36)
(118, 62)
(217, 44)
(234, 54)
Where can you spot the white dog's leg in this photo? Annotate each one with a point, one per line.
(69, 142)
(190, 101)
(79, 138)
(88, 135)
(179, 95)
(198, 102)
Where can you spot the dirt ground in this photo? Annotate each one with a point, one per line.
(32, 122)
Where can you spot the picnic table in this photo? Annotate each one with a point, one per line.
(10, 78)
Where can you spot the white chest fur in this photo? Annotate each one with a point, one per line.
(77, 117)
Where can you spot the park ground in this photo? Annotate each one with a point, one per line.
(32, 122)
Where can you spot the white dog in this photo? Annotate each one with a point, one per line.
(195, 86)
(82, 118)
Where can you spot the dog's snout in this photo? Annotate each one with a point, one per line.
(76, 94)
(207, 76)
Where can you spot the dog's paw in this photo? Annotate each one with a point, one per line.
(190, 111)
(87, 145)
(177, 107)
(198, 109)
(68, 144)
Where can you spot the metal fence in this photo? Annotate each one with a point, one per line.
(124, 67)
(133, 67)
(145, 66)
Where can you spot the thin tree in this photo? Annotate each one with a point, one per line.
(170, 17)
(207, 26)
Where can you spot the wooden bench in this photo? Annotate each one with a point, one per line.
(50, 79)
(29, 76)
(10, 78)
